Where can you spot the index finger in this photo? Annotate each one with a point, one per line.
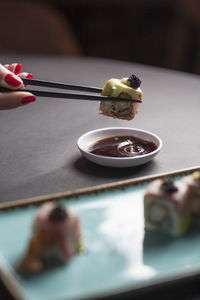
(9, 79)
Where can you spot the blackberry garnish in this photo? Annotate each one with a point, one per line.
(135, 82)
(58, 214)
(168, 186)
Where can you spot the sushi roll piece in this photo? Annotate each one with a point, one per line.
(193, 182)
(127, 88)
(55, 238)
(166, 207)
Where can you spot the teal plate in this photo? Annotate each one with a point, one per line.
(118, 256)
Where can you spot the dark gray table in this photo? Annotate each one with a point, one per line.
(38, 151)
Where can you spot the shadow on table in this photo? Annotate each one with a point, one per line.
(89, 168)
(80, 173)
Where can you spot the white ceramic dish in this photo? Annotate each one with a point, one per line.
(87, 139)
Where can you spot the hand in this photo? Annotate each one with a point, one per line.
(10, 77)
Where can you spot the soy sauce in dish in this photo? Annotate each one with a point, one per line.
(122, 146)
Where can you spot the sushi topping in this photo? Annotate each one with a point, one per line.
(58, 214)
(168, 186)
(196, 175)
(135, 82)
(124, 96)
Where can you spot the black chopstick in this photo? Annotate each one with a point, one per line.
(68, 95)
(59, 85)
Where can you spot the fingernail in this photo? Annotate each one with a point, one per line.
(29, 75)
(10, 79)
(28, 99)
(18, 69)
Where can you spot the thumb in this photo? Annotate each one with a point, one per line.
(15, 99)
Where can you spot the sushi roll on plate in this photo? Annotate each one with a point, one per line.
(127, 88)
(193, 182)
(56, 237)
(166, 207)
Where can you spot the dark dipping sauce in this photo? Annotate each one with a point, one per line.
(122, 146)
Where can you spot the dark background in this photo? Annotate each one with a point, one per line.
(161, 33)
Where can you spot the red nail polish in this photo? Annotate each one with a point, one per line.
(18, 69)
(29, 75)
(10, 79)
(28, 99)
